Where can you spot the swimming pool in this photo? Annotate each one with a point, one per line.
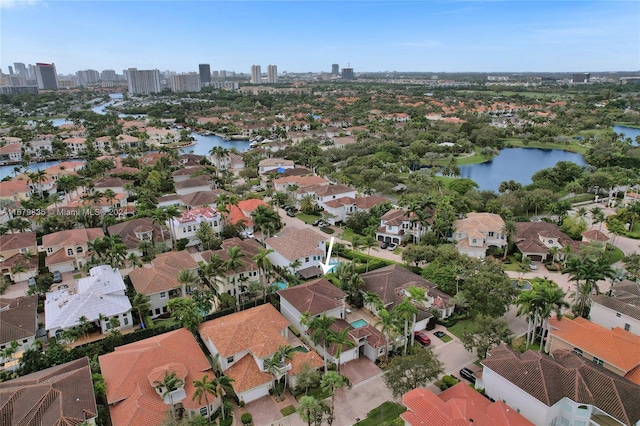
(280, 285)
(359, 323)
(332, 265)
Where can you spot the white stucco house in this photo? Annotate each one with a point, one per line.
(477, 232)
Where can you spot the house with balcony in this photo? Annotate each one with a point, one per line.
(186, 225)
(159, 281)
(19, 324)
(98, 297)
(11, 153)
(322, 194)
(339, 209)
(616, 350)
(398, 227)
(299, 250)
(68, 250)
(135, 231)
(60, 395)
(132, 374)
(562, 389)
(478, 232)
(620, 308)
(543, 241)
(244, 342)
(19, 249)
(278, 165)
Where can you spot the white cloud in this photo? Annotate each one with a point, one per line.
(16, 4)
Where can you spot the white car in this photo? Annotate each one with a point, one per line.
(247, 234)
(533, 266)
(392, 247)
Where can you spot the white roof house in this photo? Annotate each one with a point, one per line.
(102, 293)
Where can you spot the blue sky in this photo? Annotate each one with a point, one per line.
(300, 36)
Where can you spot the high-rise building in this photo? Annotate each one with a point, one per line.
(10, 70)
(142, 82)
(272, 74)
(347, 74)
(189, 82)
(87, 77)
(335, 69)
(256, 74)
(581, 77)
(223, 74)
(21, 69)
(46, 76)
(108, 75)
(205, 73)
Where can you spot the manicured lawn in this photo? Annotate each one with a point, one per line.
(614, 255)
(382, 414)
(166, 322)
(317, 393)
(459, 328)
(77, 276)
(571, 146)
(288, 410)
(307, 218)
(347, 234)
(446, 338)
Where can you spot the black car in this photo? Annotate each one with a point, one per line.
(439, 333)
(290, 208)
(465, 373)
(290, 213)
(384, 245)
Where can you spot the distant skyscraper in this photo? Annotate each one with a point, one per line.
(256, 74)
(205, 73)
(223, 74)
(189, 82)
(347, 74)
(143, 82)
(21, 69)
(10, 70)
(108, 75)
(87, 77)
(272, 74)
(46, 76)
(335, 69)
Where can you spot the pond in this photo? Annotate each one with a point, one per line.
(517, 164)
(628, 132)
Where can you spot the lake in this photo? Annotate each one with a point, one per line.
(518, 164)
(628, 132)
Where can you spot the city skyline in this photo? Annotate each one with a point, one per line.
(428, 36)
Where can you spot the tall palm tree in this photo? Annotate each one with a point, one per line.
(510, 231)
(234, 263)
(278, 362)
(204, 388)
(308, 408)
(170, 383)
(188, 279)
(141, 303)
(341, 340)
(598, 217)
(417, 296)
(159, 216)
(552, 301)
(368, 242)
(267, 220)
(405, 312)
(331, 382)
(320, 327)
(264, 264)
(388, 326)
(223, 387)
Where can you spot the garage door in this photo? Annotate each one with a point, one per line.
(255, 393)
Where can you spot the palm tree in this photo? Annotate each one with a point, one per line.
(552, 301)
(417, 296)
(320, 330)
(84, 326)
(223, 387)
(341, 340)
(598, 216)
(308, 408)
(170, 383)
(159, 216)
(331, 382)
(267, 220)
(9, 351)
(234, 263)
(368, 242)
(308, 204)
(141, 303)
(509, 230)
(388, 326)
(188, 279)
(405, 312)
(264, 264)
(204, 388)
(277, 363)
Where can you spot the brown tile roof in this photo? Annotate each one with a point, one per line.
(534, 229)
(71, 237)
(246, 375)
(187, 171)
(31, 263)
(567, 375)
(365, 203)
(459, 405)
(625, 298)
(132, 399)
(479, 222)
(314, 297)
(256, 330)
(163, 274)
(248, 247)
(18, 318)
(60, 395)
(110, 182)
(294, 243)
(595, 235)
(10, 188)
(394, 217)
(193, 182)
(617, 347)
(18, 241)
(127, 230)
(202, 198)
(301, 358)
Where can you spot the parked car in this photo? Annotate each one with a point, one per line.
(439, 333)
(32, 281)
(467, 374)
(290, 213)
(320, 222)
(422, 338)
(257, 188)
(392, 247)
(384, 245)
(247, 234)
(533, 266)
(57, 277)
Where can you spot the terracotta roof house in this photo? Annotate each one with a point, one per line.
(20, 266)
(460, 405)
(189, 186)
(115, 184)
(291, 244)
(595, 235)
(477, 232)
(19, 248)
(98, 297)
(390, 284)
(320, 297)
(131, 372)
(325, 193)
(170, 200)
(186, 225)
(134, 231)
(67, 250)
(616, 350)
(621, 308)
(184, 174)
(60, 395)
(398, 226)
(340, 208)
(537, 240)
(14, 189)
(160, 282)
(18, 323)
(10, 153)
(244, 341)
(248, 272)
(563, 389)
(207, 198)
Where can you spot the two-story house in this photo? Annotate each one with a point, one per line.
(98, 297)
(616, 350)
(186, 225)
(196, 184)
(274, 164)
(67, 250)
(477, 232)
(135, 231)
(322, 193)
(620, 308)
(11, 153)
(244, 342)
(542, 241)
(285, 183)
(19, 249)
(398, 226)
(160, 280)
(19, 324)
(339, 209)
(299, 250)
